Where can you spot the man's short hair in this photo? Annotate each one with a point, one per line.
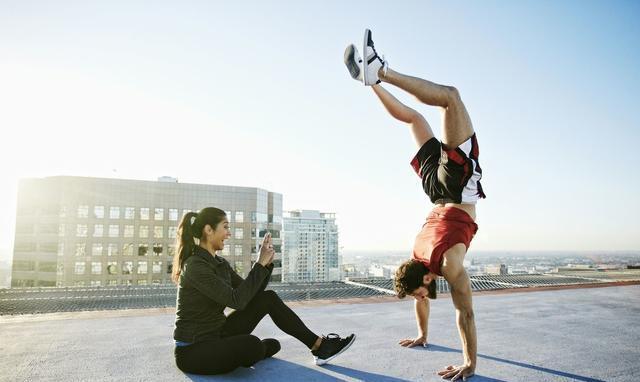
(410, 276)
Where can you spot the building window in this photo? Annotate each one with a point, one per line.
(144, 231)
(47, 229)
(226, 250)
(23, 265)
(83, 211)
(144, 213)
(129, 213)
(114, 213)
(239, 217)
(158, 232)
(158, 214)
(169, 268)
(142, 267)
(157, 249)
(81, 249)
(95, 283)
(98, 230)
(238, 250)
(173, 214)
(128, 231)
(127, 249)
(47, 266)
(112, 249)
(143, 249)
(239, 267)
(127, 267)
(114, 230)
(98, 212)
(96, 249)
(96, 268)
(157, 267)
(112, 282)
(24, 247)
(81, 230)
(171, 250)
(173, 232)
(261, 217)
(141, 282)
(239, 233)
(79, 268)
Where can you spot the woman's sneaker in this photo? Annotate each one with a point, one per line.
(331, 346)
(372, 61)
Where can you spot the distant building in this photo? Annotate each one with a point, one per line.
(76, 231)
(350, 270)
(575, 268)
(500, 269)
(310, 252)
(381, 270)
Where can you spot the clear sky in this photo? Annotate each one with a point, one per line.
(256, 94)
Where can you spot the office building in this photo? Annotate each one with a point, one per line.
(77, 231)
(310, 252)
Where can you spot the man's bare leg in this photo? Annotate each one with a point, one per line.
(456, 124)
(419, 126)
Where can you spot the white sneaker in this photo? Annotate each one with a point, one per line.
(372, 61)
(353, 61)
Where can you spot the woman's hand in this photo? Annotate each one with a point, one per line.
(266, 251)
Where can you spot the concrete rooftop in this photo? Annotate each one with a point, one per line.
(554, 335)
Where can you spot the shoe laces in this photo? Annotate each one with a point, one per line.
(380, 58)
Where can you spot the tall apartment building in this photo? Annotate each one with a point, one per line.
(77, 231)
(310, 252)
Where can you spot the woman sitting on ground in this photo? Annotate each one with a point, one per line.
(207, 341)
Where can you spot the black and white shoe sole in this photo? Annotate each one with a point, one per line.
(320, 361)
(365, 60)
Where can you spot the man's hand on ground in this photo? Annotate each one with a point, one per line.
(457, 372)
(407, 342)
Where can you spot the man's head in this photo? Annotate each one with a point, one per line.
(414, 279)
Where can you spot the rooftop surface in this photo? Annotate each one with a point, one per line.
(582, 334)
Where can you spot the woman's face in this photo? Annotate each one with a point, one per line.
(217, 236)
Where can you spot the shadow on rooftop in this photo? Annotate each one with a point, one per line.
(439, 348)
(279, 369)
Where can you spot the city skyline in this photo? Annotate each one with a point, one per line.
(208, 92)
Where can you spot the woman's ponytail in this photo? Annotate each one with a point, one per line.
(185, 244)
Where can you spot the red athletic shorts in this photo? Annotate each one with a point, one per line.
(445, 227)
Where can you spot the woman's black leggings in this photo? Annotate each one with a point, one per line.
(236, 346)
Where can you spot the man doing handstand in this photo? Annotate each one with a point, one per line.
(450, 175)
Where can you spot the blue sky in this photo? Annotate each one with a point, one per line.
(256, 94)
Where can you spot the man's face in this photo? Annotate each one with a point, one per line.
(421, 293)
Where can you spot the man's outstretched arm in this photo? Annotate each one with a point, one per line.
(422, 321)
(458, 279)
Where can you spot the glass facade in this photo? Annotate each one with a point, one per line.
(125, 234)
